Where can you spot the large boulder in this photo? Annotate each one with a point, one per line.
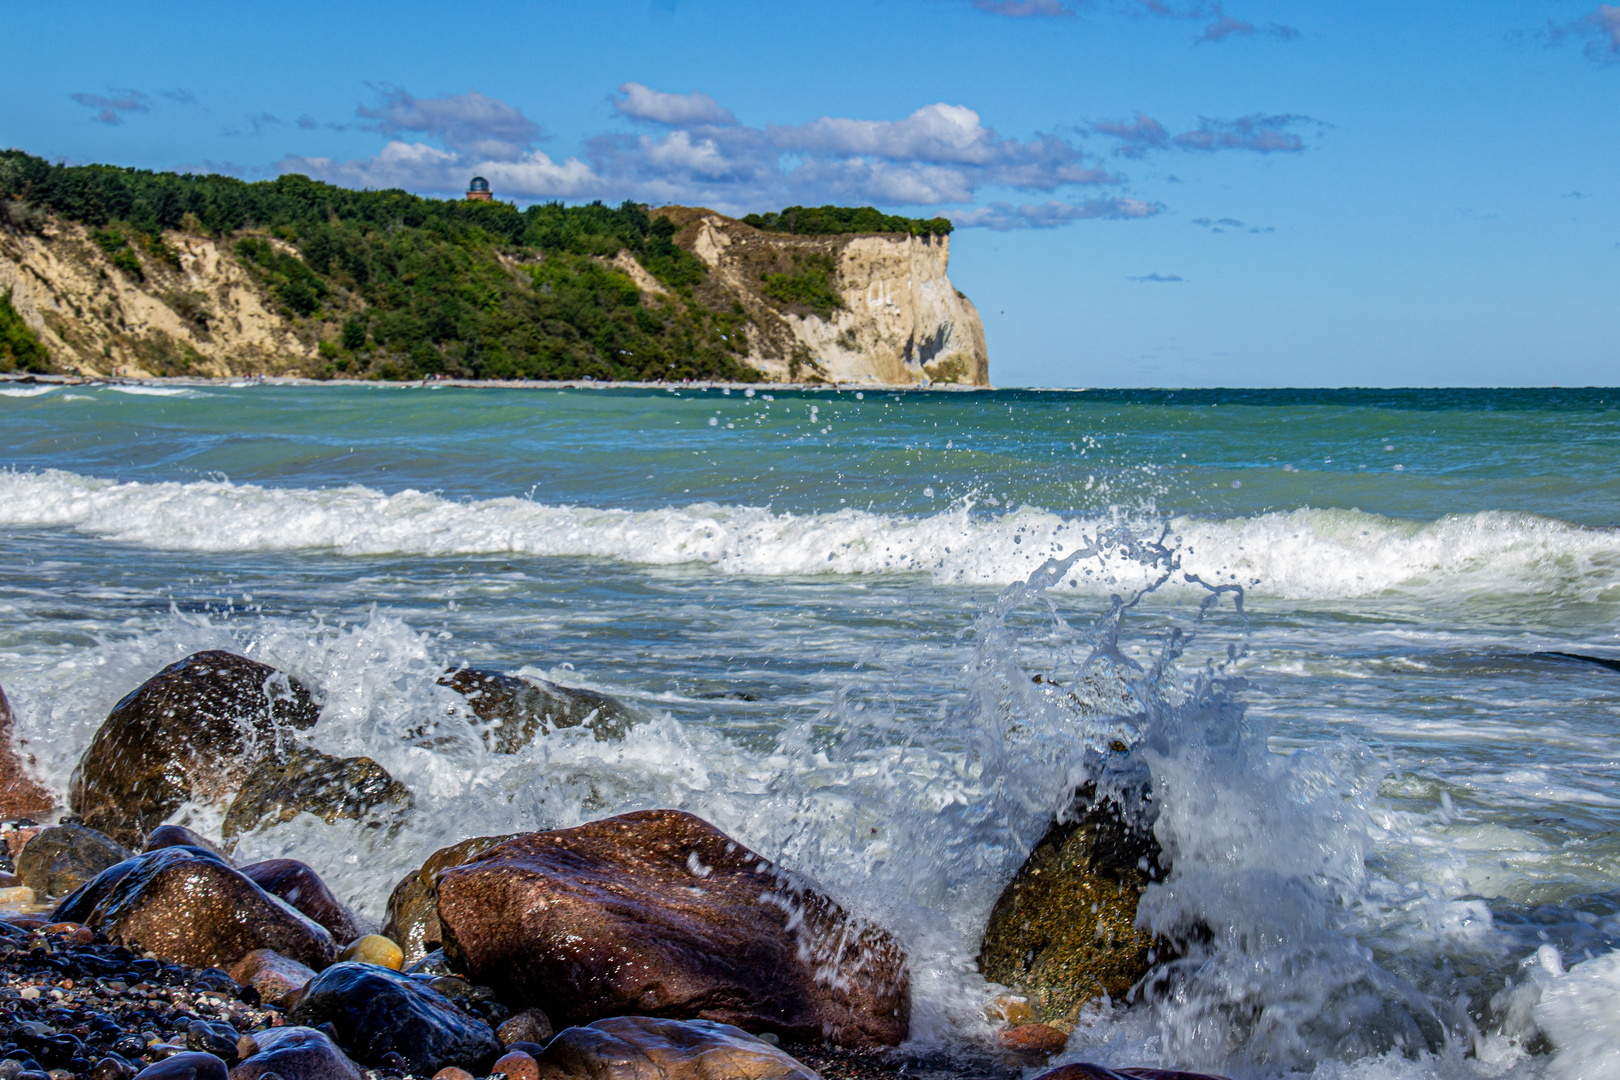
(192, 732)
(518, 708)
(21, 796)
(375, 1011)
(179, 836)
(1064, 930)
(645, 1048)
(187, 906)
(295, 1053)
(61, 858)
(659, 913)
(301, 780)
(299, 885)
(413, 906)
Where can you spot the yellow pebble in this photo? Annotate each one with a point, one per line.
(374, 949)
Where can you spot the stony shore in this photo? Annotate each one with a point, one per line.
(646, 946)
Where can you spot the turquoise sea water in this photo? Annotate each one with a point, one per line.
(1396, 809)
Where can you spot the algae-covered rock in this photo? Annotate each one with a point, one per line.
(1064, 930)
(307, 781)
(192, 732)
(64, 857)
(413, 906)
(518, 708)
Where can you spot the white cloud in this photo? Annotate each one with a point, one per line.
(470, 123)
(1049, 215)
(644, 103)
(420, 167)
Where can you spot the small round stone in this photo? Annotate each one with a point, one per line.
(517, 1066)
(374, 949)
(450, 1072)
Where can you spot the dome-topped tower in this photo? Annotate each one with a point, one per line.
(478, 190)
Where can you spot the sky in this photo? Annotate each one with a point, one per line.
(1146, 192)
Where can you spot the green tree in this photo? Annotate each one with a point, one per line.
(20, 348)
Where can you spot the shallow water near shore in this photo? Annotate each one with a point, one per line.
(1391, 801)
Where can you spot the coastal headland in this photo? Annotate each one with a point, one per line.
(108, 272)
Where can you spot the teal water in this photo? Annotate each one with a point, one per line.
(1388, 799)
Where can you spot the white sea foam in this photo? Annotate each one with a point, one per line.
(1301, 554)
(26, 391)
(1579, 1011)
(159, 391)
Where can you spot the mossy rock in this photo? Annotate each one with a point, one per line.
(1063, 932)
(307, 781)
(413, 906)
(517, 709)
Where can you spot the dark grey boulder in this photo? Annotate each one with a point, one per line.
(516, 709)
(375, 1011)
(63, 857)
(302, 780)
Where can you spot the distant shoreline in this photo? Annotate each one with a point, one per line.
(479, 384)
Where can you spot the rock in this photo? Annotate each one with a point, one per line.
(299, 885)
(517, 708)
(376, 1011)
(1035, 1039)
(434, 963)
(374, 949)
(450, 1072)
(21, 796)
(189, 733)
(413, 906)
(188, 907)
(179, 836)
(186, 1066)
(112, 1068)
(659, 913)
(1064, 930)
(17, 839)
(274, 976)
(529, 1025)
(296, 1053)
(1081, 1070)
(303, 780)
(645, 1048)
(516, 1065)
(215, 1038)
(63, 857)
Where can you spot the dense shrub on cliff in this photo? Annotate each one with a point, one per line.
(20, 350)
(839, 220)
(401, 286)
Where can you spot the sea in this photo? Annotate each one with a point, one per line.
(1366, 643)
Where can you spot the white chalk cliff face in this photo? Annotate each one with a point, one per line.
(901, 321)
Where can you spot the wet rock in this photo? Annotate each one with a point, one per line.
(21, 795)
(299, 885)
(272, 975)
(1034, 1039)
(1081, 1070)
(413, 906)
(374, 949)
(529, 1025)
(215, 1038)
(179, 836)
(112, 1068)
(516, 1065)
(376, 1011)
(1064, 930)
(64, 857)
(192, 732)
(645, 1048)
(186, 1066)
(450, 1072)
(434, 963)
(296, 1053)
(303, 780)
(518, 708)
(186, 906)
(659, 913)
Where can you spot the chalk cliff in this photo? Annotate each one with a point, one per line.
(886, 313)
(900, 320)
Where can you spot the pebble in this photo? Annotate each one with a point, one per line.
(450, 1072)
(374, 949)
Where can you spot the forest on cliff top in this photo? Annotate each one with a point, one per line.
(399, 287)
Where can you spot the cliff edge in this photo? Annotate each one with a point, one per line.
(887, 312)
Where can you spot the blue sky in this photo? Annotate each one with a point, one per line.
(1149, 192)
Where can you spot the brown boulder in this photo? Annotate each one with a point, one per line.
(296, 1053)
(1064, 930)
(274, 976)
(299, 885)
(189, 733)
(302, 780)
(190, 908)
(413, 906)
(645, 1048)
(528, 1026)
(21, 796)
(179, 836)
(659, 913)
(517, 708)
(61, 858)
